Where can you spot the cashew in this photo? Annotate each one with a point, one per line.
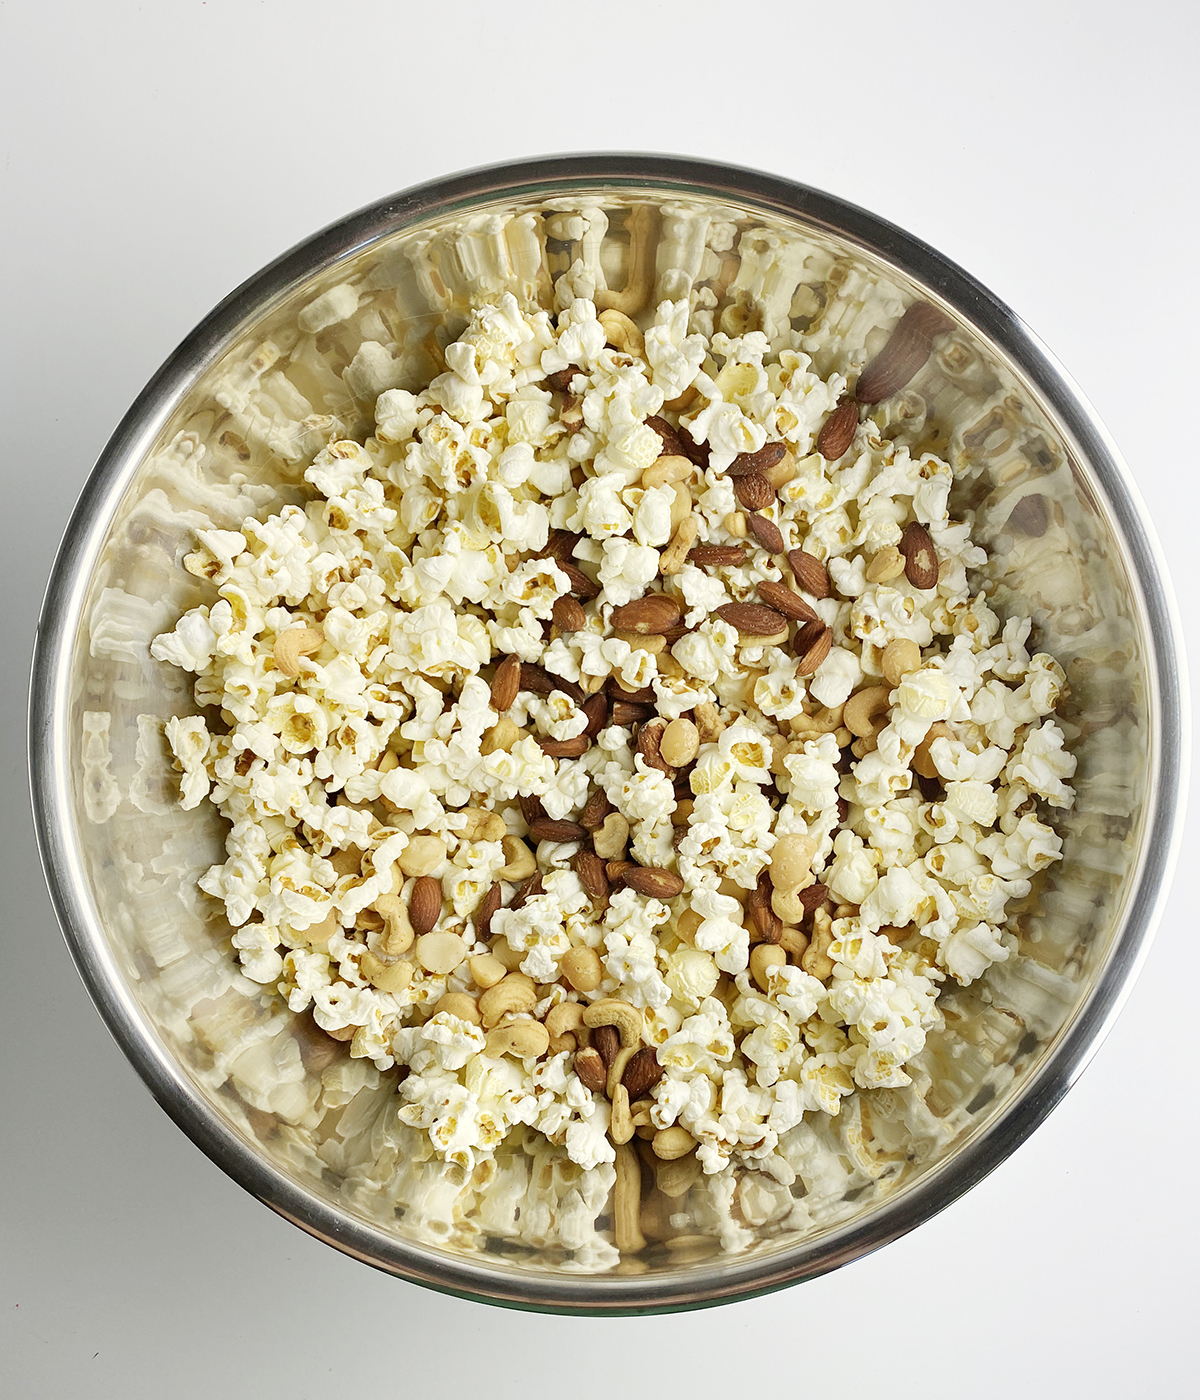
(639, 275)
(461, 1005)
(816, 960)
(708, 722)
(583, 969)
(681, 506)
(565, 1019)
(294, 643)
(521, 1039)
(867, 710)
(398, 934)
(666, 471)
(763, 957)
(486, 970)
(793, 942)
(786, 903)
(673, 558)
(611, 1011)
(676, 1177)
(627, 1201)
(511, 994)
(387, 977)
(622, 333)
(616, 1071)
(610, 841)
(422, 855)
(620, 1121)
(519, 863)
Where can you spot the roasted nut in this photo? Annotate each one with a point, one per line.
(591, 1069)
(680, 743)
(867, 710)
(622, 333)
(791, 861)
(547, 829)
(653, 612)
(906, 350)
(612, 838)
(425, 904)
(565, 1018)
(642, 1072)
(478, 825)
(581, 586)
(717, 556)
(709, 724)
(567, 614)
(793, 942)
(653, 882)
(816, 960)
(886, 564)
(920, 557)
(564, 748)
(899, 658)
(512, 995)
(767, 925)
(813, 895)
(765, 531)
(486, 970)
(627, 1201)
(676, 554)
(667, 470)
(922, 759)
(519, 861)
(596, 808)
(785, 602)
(611, 1011)
(440, 953)
(748, 463)
(486, 911)
(461, 1005)
(292, 644)
(538, 681)
(837, 432)
(398, 934)
(754, 492)
(763, 957)
(501, 736)
(752, 619)
(506, 683)
(620, 1120)
(815, 650)
(735, 524)
(670, 1144)
(524, 1040)
(422, 856)
(590, 869)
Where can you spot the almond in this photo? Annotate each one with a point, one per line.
(811, 574)
(1029, 515)
(653, 612)
(814, 896)
(425, 904)
(783, 600)
(746, 463)
(673, 443)
(528, 889)
(649, 745)
(920, 557)
(540, 682)
(907, 349)
(642, 1072)
(595, 809)
(581, 585)
(590, 1066)
(568, 614)
(547, 829)
(837, 432)
(560, 380)
(624, 714)
(560, 545)
(486, 910)
(506, 683)
(812, 648)
(758, 906)
(766, 532)
(531, 808)
(606, 1041)
(615, 869)
(644, 696)
(653, 882)
(717, 556)
(754, 492)
(596, 709)
(564, 748)
(752, 619)
(590, 869)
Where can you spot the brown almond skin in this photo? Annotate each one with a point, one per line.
(653, 612)
(907, 349)
(837, 432)
(531, 808)
(596, 709)
(606, 1041)
(425, 904)
(676, 443)
(780, 597)
(767, 456)
(766, 532)
(564, 748)
(644, 696)
(758, 905)
(529, 889)
(592, 876)
(920, 557)
(649, 745)
(814, 896)
(717, 556)
(811, 574)
(590, 1066)
(814, 652)
(547, 829)
(560, 545)
(642, 1072)
(581, 585)
(1030, 516)
(540, 682)
(506, 683)
(652, 882)
(560, 380)
(752, 619)
(486, 910)
(624, 713)
(754, 492)
(595, 809)
(568, 614)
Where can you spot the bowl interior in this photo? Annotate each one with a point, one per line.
(291, 1113)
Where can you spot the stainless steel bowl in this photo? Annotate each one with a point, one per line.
(220, 430)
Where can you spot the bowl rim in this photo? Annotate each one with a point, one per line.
(62, 615)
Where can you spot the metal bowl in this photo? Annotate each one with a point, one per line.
(224, 428)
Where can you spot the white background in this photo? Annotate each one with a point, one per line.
(154, 155)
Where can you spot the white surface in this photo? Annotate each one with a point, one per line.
(155, 155)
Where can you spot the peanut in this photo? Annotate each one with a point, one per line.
(669, 1144)
(886, 564)
(763, 957)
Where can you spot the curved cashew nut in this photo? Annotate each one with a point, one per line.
(611, 1011)
(640, 271)
(564, 1019)
(622, 333)
(513, 993)
(866, 711)
(398, 933)
(521, 1039)
(294, 643)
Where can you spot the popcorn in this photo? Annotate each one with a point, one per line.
(390, 752)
